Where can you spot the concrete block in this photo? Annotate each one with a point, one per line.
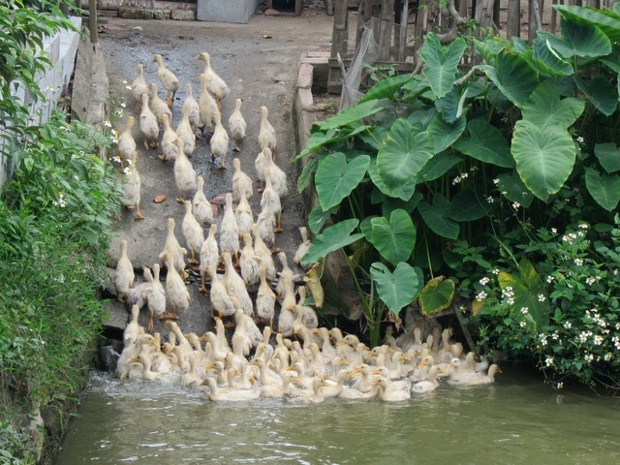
(140, 13)
(227, 11)
(305, 99)
(183, 15)
(304, 77)
(69, 41)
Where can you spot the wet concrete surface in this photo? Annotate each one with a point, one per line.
(260, 62)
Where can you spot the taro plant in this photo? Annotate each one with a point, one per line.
(460, 159)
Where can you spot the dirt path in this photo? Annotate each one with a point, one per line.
(260, 62)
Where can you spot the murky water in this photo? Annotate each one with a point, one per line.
(515, 421)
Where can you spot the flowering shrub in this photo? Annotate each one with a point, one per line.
(565, 311)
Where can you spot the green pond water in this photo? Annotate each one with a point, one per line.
(518, 420)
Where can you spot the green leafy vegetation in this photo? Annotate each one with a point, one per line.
(474, 170)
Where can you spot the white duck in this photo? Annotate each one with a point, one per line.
(167, 78)
(267, 133)
(242, 185)
(263, 254)
(133, 330)
(237, 125)
(244, 216)
(221, 303)
(215, 83)
(169, 147)
(265, 298)
(303, 248)
(173, 247)
(158, 106)
(388, 391)
(184, 173)
(248, 265)
(235, 286)
(131, 186)
(219, 142)
(229, 230)
(138, 87)
(191, 105)
(209, 255)
(176, 290)
(155, 295)
(185, 132)
(266, 225)
(126, 144)
(270, 200)
(201, 206)
(207, 106)
(194, 236)
(148, 125)
(429, 384)
(124, 274)
(475, 379)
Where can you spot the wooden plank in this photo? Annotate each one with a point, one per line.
(340, 39)
(402, 39)
(385, 32)
(513, 28)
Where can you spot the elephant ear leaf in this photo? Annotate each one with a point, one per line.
(336, 178)
(441, 63)
(394, 237)
(604, 188)
(397, 289)
(333, 238)
(436, 296)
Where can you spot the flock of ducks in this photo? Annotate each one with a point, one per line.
(276, 348)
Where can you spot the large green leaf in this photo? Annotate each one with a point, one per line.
(307, 173)
(607, 20)
(394, 238)
(526, 289)
(578, 39)
(544, 107)
(451, 106)
(353, 114)
(437, 217)
(436, 296)
(333, 238)
(444, 134)
(403, 191)
(397, 289)
(544, 155)
(386, 88)
(336, 178)
(485, 143)
(604, 188)
(608, 155)
(600, 92)
(403, 153)
(513, 76)
(466, 206)
(439, 165)
(546, 61)
(317, 218)
(511, 186)
(441, 63)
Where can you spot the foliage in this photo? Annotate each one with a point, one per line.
(475, 160)
(15, 446)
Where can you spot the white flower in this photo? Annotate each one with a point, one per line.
(559, 385)
(481, 296)
(598, 340)
(516, 205)
(550, 279)
(580, 139)
(496, 181)
(549, 361)
(490, 199)
(588, 357)
(590, 280)
(495, 271)
(554, 231)
(541, 297)
(567, 325)
(522, 324)
(484, 281)
(608, 356)
(583, 226)
(578, 261)
(524, 310)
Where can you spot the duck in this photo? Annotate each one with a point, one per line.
(194, 236)
(207, 106)
(248, 265)
(270, 201)
(158, 106)
(214, 82)
(126, 144)
(137, 295)
(130, 352)
(429, 384)
(242, 185)
(176, 290)
(229, 230)
(155, 295)
(287, 316)
(235, 286)
(278, 177)
(265, 298)
(263, 254)
(184, 348)
(242, 335)
(309, 316)
(167, 78)
(388, 391)
(260, 163)
(123, 275)
(351, 393)
(173, 247)
(266, 133)
(313, 282)
(266, 225)
(148, 125)
(221, 303)
(286, 275)
(184, 173)
(244, 217)
(237, 125)
(131, 186)
(184, 131)
(219, 142)
(190, 104)
(133, 329)
(475, 378)
(219, 394)
(138, 87)
(209, 255)
(169, 148)
(302, 248)
(201, 207)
